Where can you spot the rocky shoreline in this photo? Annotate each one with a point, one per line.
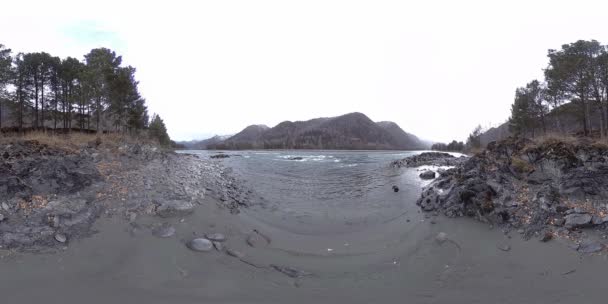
(50, 195)
(552, 189)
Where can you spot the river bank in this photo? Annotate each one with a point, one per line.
(297, 226)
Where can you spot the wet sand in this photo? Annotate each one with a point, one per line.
(389, 262)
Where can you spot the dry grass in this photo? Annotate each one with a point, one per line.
(556, 137)
(75, 141)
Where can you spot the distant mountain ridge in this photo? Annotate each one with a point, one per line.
(203, 144)
(354, 131)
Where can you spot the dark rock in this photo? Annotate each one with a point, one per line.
(559, 222)
(216, 237)
(598, 220)
(200, 244)
(296, 158)
(547, 236)
(395, 188)
(429, 159)
(589, 246)
(575, 220)
(290, 271)
(175, 208)
(219, 156)
(427, 174)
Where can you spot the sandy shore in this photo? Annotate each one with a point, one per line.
(396, 261)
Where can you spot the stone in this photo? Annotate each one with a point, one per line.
(235, 253)
(504, 247)
(200, 244)
(559, 222)
(5, 206)
(175, 209)
(428, 174)
(216, 156)
(296, 158)
(547, 236)
(216, 237)
(256, 239)
(218, 246)
(132, 216)
(395, 188)
(441, 237)
(575, 220)
(589, 246)
(598, 220)
(290, 271)
(164, 231)
(61, 238)
(1, 217)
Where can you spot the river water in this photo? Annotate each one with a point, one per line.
(331, 214)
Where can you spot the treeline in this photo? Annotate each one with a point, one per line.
(44, 92)
(473, 143)
(454, 146)
(577, 74)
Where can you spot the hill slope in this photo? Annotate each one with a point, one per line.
(351, 131)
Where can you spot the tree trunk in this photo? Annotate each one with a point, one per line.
(42, 104)
(588, 118)
(35, 124)
(98, 106)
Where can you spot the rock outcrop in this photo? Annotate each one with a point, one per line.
(526, 185)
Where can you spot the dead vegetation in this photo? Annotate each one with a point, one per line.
(73, 142)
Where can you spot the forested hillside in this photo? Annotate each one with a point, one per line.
(350, 131)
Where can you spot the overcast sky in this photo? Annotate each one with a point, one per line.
(437, 68)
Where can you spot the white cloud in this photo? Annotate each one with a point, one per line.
(437, 68)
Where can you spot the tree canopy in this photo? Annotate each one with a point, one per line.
(97, 94)
(578, 74)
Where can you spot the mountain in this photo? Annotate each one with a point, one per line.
(351, 131)
(203, 144)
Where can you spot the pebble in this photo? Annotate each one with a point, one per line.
(61, 238)
(255, 239)
(1, 217)
(235, 253)
(5, 206)
(200, 244)
(520, 231)
(218, 246)
(217, 237)
(441, 237)
(163, 231)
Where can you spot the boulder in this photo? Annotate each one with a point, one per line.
(576, 220)
(428, 174)
(589, 246)
(175, 208)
